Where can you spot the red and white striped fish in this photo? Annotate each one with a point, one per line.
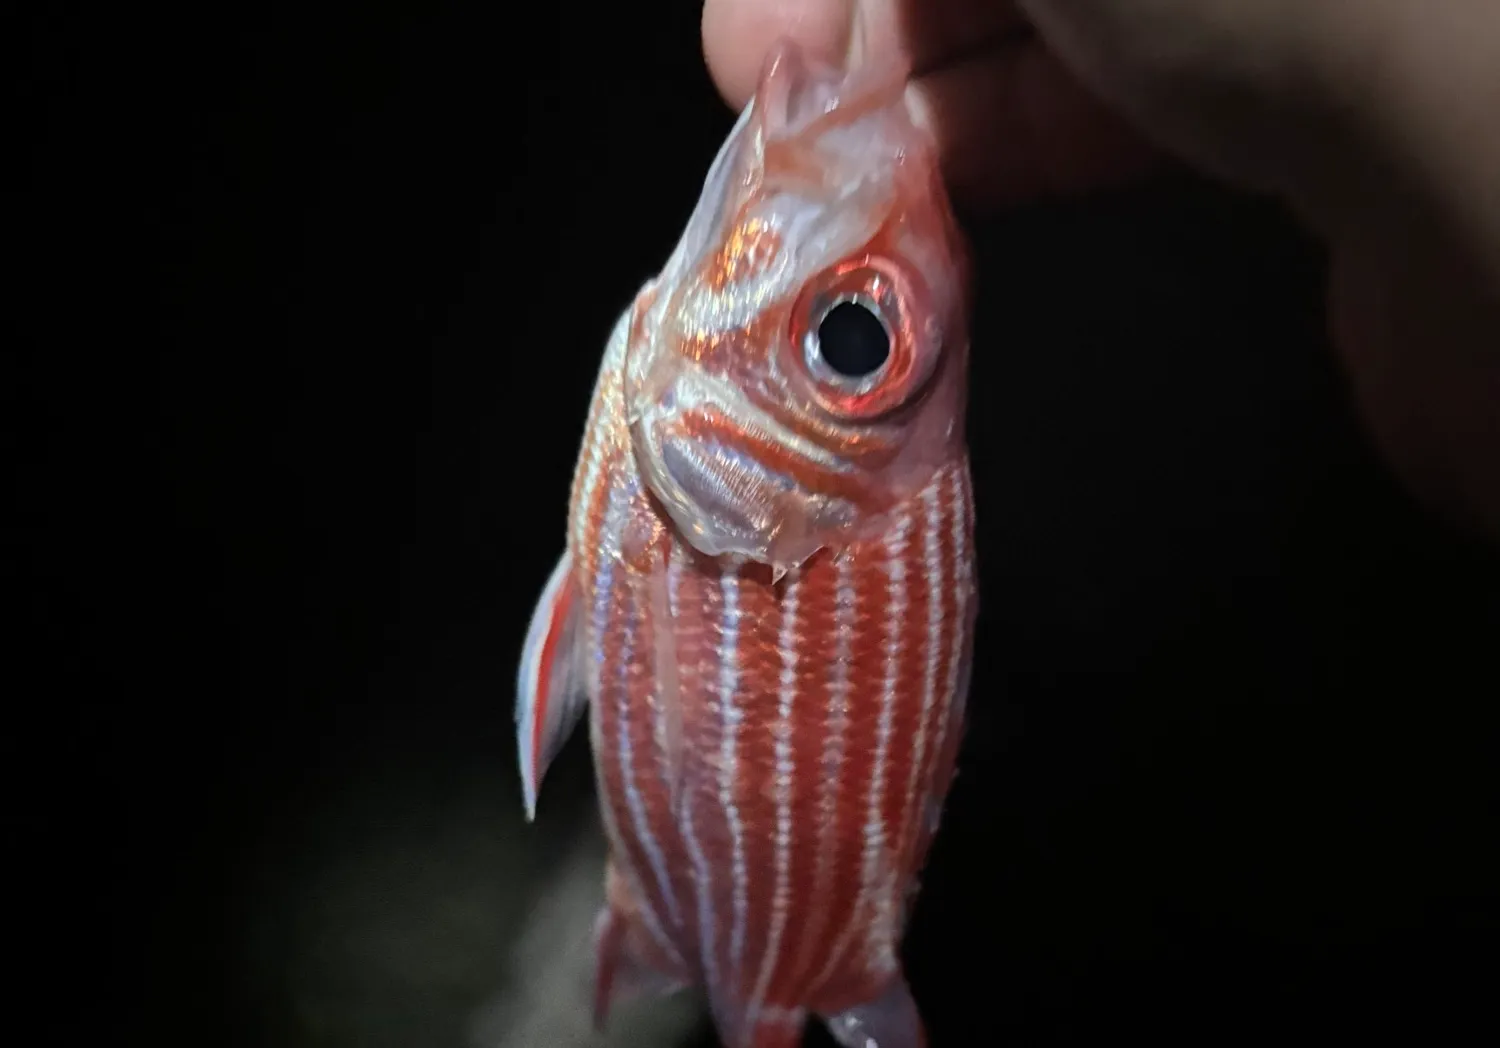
(768, 594)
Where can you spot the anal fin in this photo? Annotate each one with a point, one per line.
(620, 975)
(890, 1020)
(551, 695)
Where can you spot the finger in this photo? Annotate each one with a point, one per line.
(1012, 124)
(738, 34)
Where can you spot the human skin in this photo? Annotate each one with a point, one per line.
(1376, 121)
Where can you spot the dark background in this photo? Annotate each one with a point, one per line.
(312, 299)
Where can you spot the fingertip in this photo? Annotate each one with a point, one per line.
(739, 34)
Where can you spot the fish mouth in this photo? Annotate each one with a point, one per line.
(736, 480)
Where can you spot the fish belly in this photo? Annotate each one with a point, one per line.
(771, 756)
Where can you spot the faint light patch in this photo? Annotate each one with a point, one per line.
(413, 907)
(380, 913)
(547, 1000)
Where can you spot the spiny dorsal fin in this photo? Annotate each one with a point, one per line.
(550, 690)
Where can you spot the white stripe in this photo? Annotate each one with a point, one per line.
(703, 885)
(874, 839)
(833, 752)
(703, 882)
(730, 716)
(637, 805)
(529, 695)
(700, 389)
(779, 1017)
(593, 463)
(619, 501)
(599, 623)
(786, 643)
(875, 828)
(960, 620)
(933, 567)
(668, 721)
(605, 410)
(674, 580)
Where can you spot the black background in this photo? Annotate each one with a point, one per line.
(312, 299)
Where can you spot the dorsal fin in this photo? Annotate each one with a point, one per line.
(551, 693)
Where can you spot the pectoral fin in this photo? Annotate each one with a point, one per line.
(551, 694)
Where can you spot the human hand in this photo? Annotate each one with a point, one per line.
(1011, 122)
(1377, 121)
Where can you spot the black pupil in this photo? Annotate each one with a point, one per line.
(853, 341)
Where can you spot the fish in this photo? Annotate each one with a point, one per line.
(767, 597)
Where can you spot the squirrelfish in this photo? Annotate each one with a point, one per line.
(768, 593)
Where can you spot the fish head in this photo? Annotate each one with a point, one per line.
(799, 366)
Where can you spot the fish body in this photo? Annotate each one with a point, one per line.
(767, 599)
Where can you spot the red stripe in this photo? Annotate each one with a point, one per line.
(866, 684)
(930, 756)
(815, 920)
(642, 700)
(592, 522)
(911, 687)
(561, 607)
(712, 821)
(937, 773)
(695, 655)
(618, 681)
(758, 697)
(709, 424)
(815, 650)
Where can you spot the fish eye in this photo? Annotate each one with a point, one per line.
(860, 335)
(852, 340)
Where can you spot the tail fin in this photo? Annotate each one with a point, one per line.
(887, 1021)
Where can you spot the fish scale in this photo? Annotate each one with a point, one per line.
(766, 604)
(823, 913)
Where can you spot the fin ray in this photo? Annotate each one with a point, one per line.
(889, 1020)
(619, 975)
(551, 695)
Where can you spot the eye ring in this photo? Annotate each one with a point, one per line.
(890, 296)
(859, 342)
